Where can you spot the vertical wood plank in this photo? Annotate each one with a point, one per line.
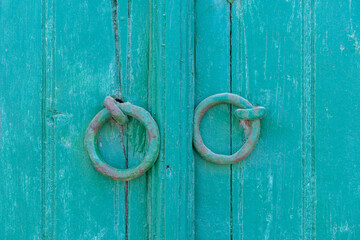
(135, 80)
(157, 78)
(20, 120)
(185, 165)
(171, 102)
(179, 105)
(121, 32)
(337, 119)
(86, 72)
(48, 112)
(308, 118)
(266, 69)
(212, 183)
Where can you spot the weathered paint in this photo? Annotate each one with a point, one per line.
(299, 59)
(22, 121)
(144, 118)
(252, 126)
(250, 114)
(212, 76)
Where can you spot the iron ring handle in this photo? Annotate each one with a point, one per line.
(119, 111)
(246, 112)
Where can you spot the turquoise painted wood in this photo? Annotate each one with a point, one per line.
(300, 59)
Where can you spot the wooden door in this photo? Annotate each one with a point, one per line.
(298, 59)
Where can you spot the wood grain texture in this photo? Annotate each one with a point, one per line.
(134, 26)
(179, 105)
(298, 58)
(157, 78)
(266, 69)
(212, 181)
(85, 72)
(308, 119)
(21, 138)
(171, 93)
(337, 121)
(48, 114)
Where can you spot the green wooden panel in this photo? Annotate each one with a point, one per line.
(134, 23)
(22, 144)
(171, 185)
(308, 120)
(336, 69)
(299, 59)
(212, 181)
(86, 204)
(266, 69)
(178, 108)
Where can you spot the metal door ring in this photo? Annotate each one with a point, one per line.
(246, 112)
(119, 110)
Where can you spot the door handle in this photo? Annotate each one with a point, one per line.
(246, 112)
(119, 112)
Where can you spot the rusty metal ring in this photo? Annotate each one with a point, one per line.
(115, 111)
(151, 154)
(250, 113)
